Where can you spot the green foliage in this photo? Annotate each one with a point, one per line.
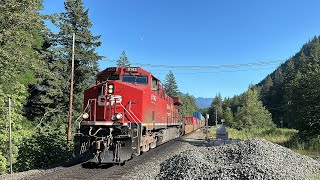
(35, 73)
(252, 114)
(293, 97)
(42, 150)
(228, 116)
(215, 110)
(171, 85)
(74, 20)
(3, 164)
(309, 147)
(275, 135)
(123, 60)
(189, 105)
(20, 126)
(20, 41)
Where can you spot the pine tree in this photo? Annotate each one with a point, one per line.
(171, 85)
(74, 20)
(123, 60)
(265, 90)
(189, 105)
(228, 116)
(215, 109)
(252, 114)
(289, 77)
(305, 89)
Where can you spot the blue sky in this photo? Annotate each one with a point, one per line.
(202, 33)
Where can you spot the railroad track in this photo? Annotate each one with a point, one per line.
(84, 171)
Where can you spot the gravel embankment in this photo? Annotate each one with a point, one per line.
(29, 174)
(191, 158)
(250, 159)
(150, 168)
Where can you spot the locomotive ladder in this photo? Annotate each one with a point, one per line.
(136, 130)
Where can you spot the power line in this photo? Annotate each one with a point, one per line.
(213, 72)
(199, 69)
(261, 63)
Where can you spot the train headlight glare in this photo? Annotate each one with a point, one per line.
(110, 88)
(119, 116)
(85, 116)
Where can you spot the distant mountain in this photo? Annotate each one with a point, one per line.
(203, 102)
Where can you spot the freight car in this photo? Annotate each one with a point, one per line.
(126, 112)
(192, 123)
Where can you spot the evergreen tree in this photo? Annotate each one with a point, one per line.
(294, 95)
(228, 116)
(189, 105)
(265, 90)
(171, 85)
(289, 77)
(216, 110)
(74, 20)
(252, 114)
(123, 60)
(20, 63)
(305, 95)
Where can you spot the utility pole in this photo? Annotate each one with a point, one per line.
(216, 118)
(71, 93)
(207, 118)
(10, 135)
(9, 104)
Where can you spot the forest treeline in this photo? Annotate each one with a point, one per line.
(35, 73)
(289, 97)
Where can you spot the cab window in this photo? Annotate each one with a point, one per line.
(108, 77)
(135, 79)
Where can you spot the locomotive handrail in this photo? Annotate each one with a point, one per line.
(131, 114)
(85, 109)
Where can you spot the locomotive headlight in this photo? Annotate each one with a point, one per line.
(110, 88)
(119, 116)
(85, 116)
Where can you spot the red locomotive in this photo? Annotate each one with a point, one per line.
(126, 112)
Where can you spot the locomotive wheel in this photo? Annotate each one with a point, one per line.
(145, 148)
(182, 129)
(154, 143)
(121, 163)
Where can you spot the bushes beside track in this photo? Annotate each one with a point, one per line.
(42, 150)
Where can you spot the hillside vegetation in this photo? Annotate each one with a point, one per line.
(289, 97)
(292, 92)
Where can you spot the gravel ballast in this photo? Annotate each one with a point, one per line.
(250, 159)
(191, 158)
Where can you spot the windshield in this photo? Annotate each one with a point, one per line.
(135, 79)
(108, 77)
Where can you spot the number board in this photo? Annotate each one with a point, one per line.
(112, 69)
(132, 69)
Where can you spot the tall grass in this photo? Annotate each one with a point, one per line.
(285, 137)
